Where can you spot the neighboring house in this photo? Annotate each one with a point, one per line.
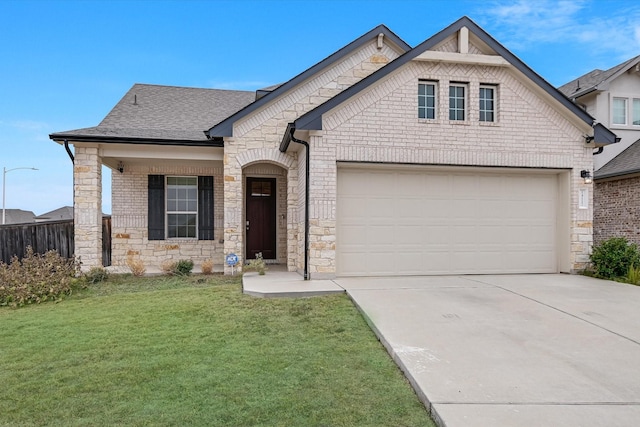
(17, 216)
(60, 214)
(451, 157)
(613, 98)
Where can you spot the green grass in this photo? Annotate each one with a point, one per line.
(195, 351)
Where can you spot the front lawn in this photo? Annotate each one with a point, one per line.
(195, 351)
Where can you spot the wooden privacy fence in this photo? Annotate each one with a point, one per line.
(46, 236)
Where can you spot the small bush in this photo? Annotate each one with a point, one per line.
(613, 257)
(96, 275)
(633, 275)
(136, 265)
(183, 267)
(37, 278)
(168, 266)
(207, 266)
(257, 264)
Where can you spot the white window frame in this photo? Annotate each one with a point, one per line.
(177, 211)
(635, 112)
(456, 109)
(482, 103)
(423, 110)
(613, 111)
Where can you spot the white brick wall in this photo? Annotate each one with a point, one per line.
(381, 125)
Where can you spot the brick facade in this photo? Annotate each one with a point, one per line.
(379, 124)
(617, 209)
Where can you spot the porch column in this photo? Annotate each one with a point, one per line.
(233, 209)
(87, 203)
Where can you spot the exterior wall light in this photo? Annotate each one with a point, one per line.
(586, 175)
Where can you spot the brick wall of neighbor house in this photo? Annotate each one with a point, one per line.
(129, 218)
(258, 137)
(616, 210)
(87, 190)
(381, 125)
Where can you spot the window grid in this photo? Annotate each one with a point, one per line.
(487, 104)
(182, 207)
(427, 100)
(457, 102)
(619, 111)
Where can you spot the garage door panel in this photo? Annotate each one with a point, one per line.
(435, 222)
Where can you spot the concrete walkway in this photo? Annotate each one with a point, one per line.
(278, 282)
(518, 350)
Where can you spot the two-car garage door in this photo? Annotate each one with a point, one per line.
(412, 221)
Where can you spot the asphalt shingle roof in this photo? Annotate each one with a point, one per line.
(18, 216)
(625, 163)
(167, 113)
(589, 81)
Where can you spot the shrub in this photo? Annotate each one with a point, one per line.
(183, 267)
(207, 266)
(257, 264)
(168, 266)
(136, 265)
(37, 278)
(613, 257)
(96, 275)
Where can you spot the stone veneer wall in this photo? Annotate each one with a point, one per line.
(381, 125)
(129, 216)
(87, 202)
(616, 211)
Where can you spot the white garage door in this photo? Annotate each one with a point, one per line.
(456, 221)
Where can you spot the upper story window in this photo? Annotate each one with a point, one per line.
(182, 206)
(619, 116)
(457, 101)
(636, 112)
(427, 95)
(487, 103)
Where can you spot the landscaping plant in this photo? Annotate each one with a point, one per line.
(612, 258)
(37, 278)
(257, 264)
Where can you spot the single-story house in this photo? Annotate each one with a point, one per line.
(61, 214)
(451, 157)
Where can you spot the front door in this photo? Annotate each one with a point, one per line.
(261, 218)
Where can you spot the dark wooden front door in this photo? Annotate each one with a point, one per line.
(261, 218)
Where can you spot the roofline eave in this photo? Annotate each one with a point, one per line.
(60, 138)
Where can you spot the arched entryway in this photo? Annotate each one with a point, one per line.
(265, 212)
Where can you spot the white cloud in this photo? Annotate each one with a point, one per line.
(526, 23)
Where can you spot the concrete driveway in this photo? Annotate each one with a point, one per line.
(516, 350)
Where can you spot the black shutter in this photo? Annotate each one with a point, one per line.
(205, 208)
(155, 226)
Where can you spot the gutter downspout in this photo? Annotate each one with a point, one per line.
(66, 147)
(306, 205)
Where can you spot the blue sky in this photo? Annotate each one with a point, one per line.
(65, 64)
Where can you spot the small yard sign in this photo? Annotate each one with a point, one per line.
(231, 260)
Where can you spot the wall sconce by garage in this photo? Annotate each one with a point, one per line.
(586, 175)
(120, 167)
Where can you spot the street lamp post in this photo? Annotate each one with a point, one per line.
(4, 186)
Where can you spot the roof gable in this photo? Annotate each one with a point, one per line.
(597, 79)
(482, 41)
(225, 127)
